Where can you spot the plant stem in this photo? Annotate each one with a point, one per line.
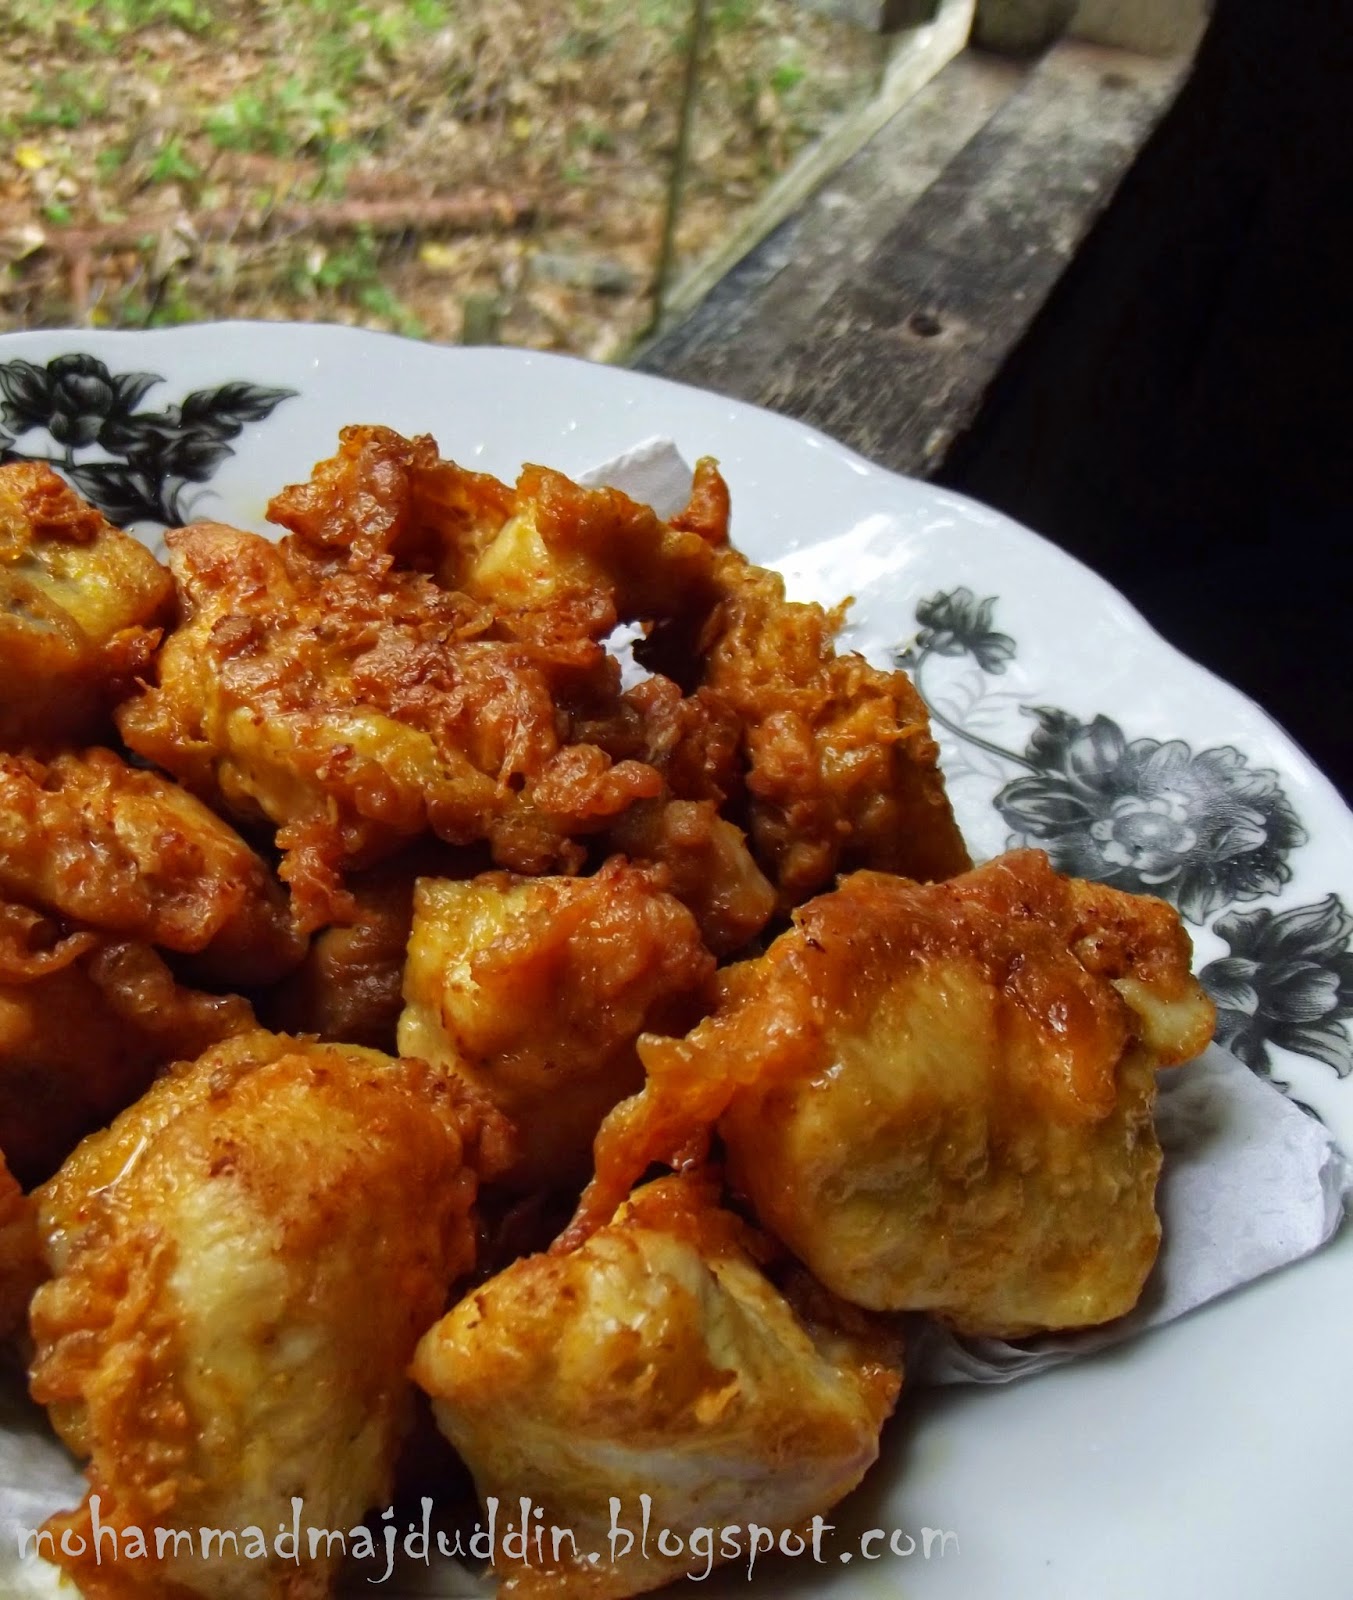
(676, 182)
(958, 731)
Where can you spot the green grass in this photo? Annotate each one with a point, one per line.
(172, 164)
(68, 99)
(351, 272)
(170, 306)
(785, 78)
(592, 136)
(99, 27)
(280, 118)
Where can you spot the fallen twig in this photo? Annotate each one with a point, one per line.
(469, 210)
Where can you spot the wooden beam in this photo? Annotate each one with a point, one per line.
(896, 360)
(730, 334)
(914, 61)
(1158, 27)
(879, 16)
(1020, 27)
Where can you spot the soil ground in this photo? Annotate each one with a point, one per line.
(453, 170)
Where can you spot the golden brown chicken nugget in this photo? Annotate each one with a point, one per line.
(85, 1024)
(80, 608)
(350, 987)
(940, 1096)
(540, 545)
(382, 496)
(658, 1359)
(534, 990)
(565, 540)
(129, 853)
(241, 1268)
(358, 710)
(842, 771)
(707, 864)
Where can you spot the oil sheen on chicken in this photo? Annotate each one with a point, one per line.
(657, 1359)
(940, 1096)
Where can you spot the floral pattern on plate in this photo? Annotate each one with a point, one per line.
(134, 465)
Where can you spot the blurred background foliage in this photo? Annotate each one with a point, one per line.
(440, 168)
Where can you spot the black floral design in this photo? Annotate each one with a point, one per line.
(1201, 829)
(957, 624)
(83, 406)
(1288, 981)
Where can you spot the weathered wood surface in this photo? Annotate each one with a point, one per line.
(913, 63)
(882, 16)
(742, 324)
(1159, 27)
(884, 328)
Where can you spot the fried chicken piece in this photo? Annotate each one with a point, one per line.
(241, 1267)
(21, 1266)
(85, 1023)
(657, 1359)
(940, 1096)
(709, 509)
(534, 991)
(383, 496)
(708, 865)
(565, 541)
(544, 544)
(842, 771)
(350, 987)
(358, 709)
(693, 741)
(127, 852)
(80, 608)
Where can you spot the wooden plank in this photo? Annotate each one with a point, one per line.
(880, 16)
(1156, 27)
(896, 362)
(915, 57)
(1020, 27)
(739, 328)
(1159, 27)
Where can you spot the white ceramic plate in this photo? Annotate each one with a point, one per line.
(1206, 1460)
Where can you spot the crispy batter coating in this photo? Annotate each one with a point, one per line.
(708, 865)
(85, 1023)
(241, 1268)
(384, 496)
(534, 990)
(940, 1096)
(709, 509)
(658, 1359)
(80, 605)
(694, 742)
(89, 838)
(841, 769)
(546, 545)
(359, 708)
(21, 1265)
(425, 651)
(350, 987)
(565, 542)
